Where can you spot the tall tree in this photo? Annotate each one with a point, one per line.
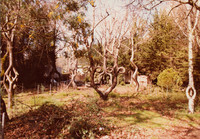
(157, 54)
(9, 20)
(110, 37)
(191, 91)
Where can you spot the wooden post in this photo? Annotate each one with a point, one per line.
(34, 100)
(38, 89)
(3, 123)
(50, 88)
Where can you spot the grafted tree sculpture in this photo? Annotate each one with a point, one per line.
(110, 37)
(11, 74)
(134, 76)
(191, 91)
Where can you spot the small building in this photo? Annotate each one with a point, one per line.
(143, 80)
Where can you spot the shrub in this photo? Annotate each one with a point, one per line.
(169, 79)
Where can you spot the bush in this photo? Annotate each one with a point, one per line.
(169, 79)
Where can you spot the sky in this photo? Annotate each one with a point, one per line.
(116, 9)
(102, 5)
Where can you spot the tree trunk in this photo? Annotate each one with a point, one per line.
(74, 67)
(134, 76)
(10, 76)
(72, 82)
(191, 91)
(3, 110)
(52, 53)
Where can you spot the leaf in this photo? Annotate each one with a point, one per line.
(22, 26)
(10, 23)
(50, 14)
(56, 7)
(79, 18)
(58, 17)
(92, 2)
(31, 36)
(52, 43)
(37, 2)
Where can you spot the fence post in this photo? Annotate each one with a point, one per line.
(3, 123)
(38, 89)
(50, 88)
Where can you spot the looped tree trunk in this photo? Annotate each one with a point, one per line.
(191, 94)
(104, 93)
(10, 76)
(190, 91)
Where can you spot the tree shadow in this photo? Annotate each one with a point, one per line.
(45, 122)
(164, 107)
(186, 132)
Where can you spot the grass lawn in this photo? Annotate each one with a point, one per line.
(70, 113)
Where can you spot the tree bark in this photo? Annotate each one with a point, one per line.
(11, 74)
(191, 91)
(134, 76)
(74, 67)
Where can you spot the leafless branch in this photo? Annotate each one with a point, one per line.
(174, 8)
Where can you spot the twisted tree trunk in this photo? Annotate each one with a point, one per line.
(73, 74)
(134, 76)
(10, 76)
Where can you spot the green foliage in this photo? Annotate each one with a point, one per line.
(165, 48)
(169, 78)
(95, 118)
(87, 78)
(197, 70)
(121, 79)
(36, 35)
(3, 60)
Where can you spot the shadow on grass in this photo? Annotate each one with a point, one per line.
(45, 122)
(163, 106)
(77, 120)
(153, 112)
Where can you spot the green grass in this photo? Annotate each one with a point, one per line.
(147, 110)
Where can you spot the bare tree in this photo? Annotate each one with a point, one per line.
(191, 91)
(110, 37)
(151, 4)
(189, 30)
(134, 76)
